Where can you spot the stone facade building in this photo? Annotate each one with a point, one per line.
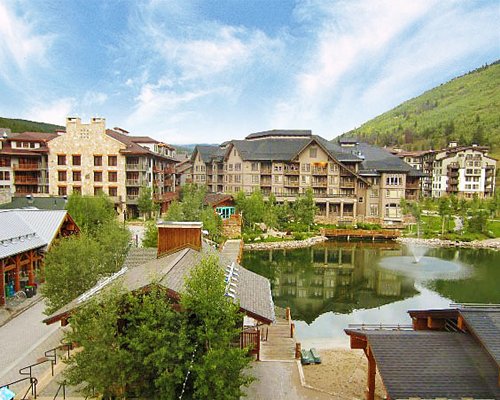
(351, 182)
(88, 159)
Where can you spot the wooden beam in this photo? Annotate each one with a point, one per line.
(372, 370)
(358, 342)
(2, 283)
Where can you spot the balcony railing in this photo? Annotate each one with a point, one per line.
(265, 182)
(132, 198)
(319, 171)
(26, 180)
(135, 182)
(136, 167)
(291, 183)
(265, 171)
(319, 184)
(26, 167)
(292, 172)
(349, 184)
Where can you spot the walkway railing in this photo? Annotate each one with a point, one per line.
(31, 389)
(250, 338)
(381, 327)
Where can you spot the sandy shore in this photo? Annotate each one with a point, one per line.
(342, 373)
(491, 244)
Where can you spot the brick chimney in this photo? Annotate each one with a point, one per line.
(174, 236)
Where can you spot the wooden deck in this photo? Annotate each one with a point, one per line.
(233, 250)
(361, 234)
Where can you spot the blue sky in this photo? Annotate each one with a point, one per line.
(207, 71)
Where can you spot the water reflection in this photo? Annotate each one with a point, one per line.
(331, 277)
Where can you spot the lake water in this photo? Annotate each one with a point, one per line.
(334, 284)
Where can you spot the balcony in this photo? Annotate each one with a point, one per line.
(26, 180)
(453, 174)
(132, 198)
(319, 184)
(265, 171)
(169, 170)
(136, 167)
(346, 183)
(265, 182)
(412, 185)
(291, 183)
(135, 182)
(452, 181)
(26, 167)
(319, 171)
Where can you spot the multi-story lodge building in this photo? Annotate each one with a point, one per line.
(350, 181)
(463, 171)
(88, 159)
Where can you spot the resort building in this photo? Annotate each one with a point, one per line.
(88, 159)
(24, 238)
(351, 182)
(24, 162)
(463, 171)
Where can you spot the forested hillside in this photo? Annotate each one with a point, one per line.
(466, 109)
(21, 125)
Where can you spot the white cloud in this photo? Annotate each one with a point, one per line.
(54, 112)
(20, 45)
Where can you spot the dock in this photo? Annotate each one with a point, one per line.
(279, 343)
(348, 234)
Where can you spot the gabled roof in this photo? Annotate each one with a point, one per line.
(213, 199)
(132, 146)
(429, 364)
(253, 292)
(279, 133)
(42, 203)
(208, 152)
(34, 136)
(27, 229)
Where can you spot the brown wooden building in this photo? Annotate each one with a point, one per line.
(25, 236)
(448, 354)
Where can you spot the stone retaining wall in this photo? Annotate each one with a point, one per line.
(286, 244)
(493, 244)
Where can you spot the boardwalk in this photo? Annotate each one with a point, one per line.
(280, 346)
(233, 250)
(361, 233)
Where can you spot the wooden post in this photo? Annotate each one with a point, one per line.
(258, 345)
(288, 313)
(31, 272)
(298, 349)
(292, 330)
(17, 274)
(2, 283)
(372, 369)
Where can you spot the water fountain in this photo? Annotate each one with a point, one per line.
(422, 267)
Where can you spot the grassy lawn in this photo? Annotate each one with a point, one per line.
(494, 227)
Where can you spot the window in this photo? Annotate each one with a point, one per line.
(61, 190)
(373, 210)
(77, 176)
(392, 210)
(61, 176)
(61, 160)
(97, 190)
(113, 191)
(77, 159)
(98, 161)
(360, 199)
(77, 189)
(255, 178)
(393, 180)
(234, 152)
(237, 178)
(313, 152)
(230, 167)
(97, 176)
(113, 176)
(112, 161)
(374, 193)
(305, 167)
(255, 166)
(4, 175)
(237, 167)
(4, 162)
(334, 167)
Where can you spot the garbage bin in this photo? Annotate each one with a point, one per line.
(29, 291)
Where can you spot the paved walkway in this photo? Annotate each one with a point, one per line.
(232, 249)
(277, 380)
(24, 339)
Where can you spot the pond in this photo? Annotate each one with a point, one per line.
(334, 284)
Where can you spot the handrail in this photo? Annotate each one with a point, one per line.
(50, 355)
(63, 386)
(374, 327)
(32, 387)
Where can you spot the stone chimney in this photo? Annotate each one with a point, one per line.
(175, 236)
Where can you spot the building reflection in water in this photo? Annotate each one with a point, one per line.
(331, 277)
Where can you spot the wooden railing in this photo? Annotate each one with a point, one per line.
(250, 338)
